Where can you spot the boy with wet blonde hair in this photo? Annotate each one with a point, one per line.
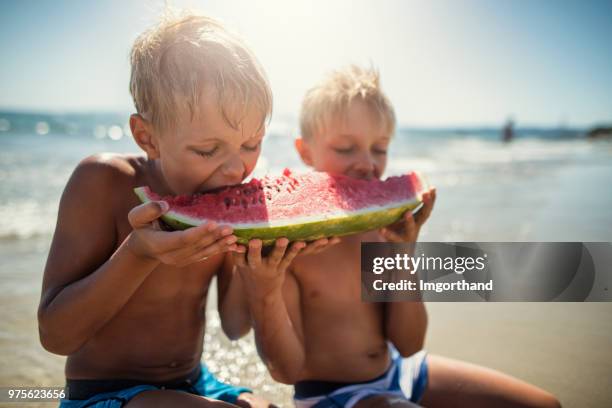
(311, 327)
(123, 299)
(333, 96)
(175, 61)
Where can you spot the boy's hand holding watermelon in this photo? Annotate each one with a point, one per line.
(178, 248)
(265, 274)
(407, 229)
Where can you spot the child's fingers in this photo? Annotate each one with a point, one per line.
(144, 214)
(315, 246)
(390, 235)
(215, 234)
(279, 250)
(409, 221)
(334, 241)
(205, 234)
(425, 212)
(254, 254)
(291, 254)
(211, 250)
(200, 236)
(239, 259)
(221, 245)
(321, 242)
(241, 249)
(194, 253)
(411, 228)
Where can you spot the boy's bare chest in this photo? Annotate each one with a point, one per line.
(333, 275)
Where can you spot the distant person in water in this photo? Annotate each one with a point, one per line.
(508, 131)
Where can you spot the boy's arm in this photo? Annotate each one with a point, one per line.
(279, 341)
(231, 301)
(406, 322)
(86, 280)
(406, 325)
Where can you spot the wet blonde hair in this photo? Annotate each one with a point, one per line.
(187, 54)
(332, 98)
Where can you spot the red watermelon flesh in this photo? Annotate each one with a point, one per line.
(297, 206)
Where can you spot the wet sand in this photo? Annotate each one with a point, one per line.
(565, 348)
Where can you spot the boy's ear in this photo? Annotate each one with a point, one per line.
(142, 131)
(304, 150)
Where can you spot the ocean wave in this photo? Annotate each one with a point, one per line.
(25, 219)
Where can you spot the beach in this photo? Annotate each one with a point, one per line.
(537, 188)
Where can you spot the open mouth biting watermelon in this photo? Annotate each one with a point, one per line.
(301, 207)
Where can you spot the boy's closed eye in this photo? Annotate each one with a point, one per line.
(206, 152)
(344, 150)
(251, 147)
(248, 147)
(351, 149)
(379, 150)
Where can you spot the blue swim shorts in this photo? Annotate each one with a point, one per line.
(117, 393)
(405, 378)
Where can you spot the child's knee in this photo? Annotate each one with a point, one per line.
(172, 398)
(550, 401)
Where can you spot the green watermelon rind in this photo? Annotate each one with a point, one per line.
(343, 224)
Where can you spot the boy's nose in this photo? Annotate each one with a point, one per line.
(233, 170)
(364, 167)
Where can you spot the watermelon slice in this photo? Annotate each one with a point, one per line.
(300, 207)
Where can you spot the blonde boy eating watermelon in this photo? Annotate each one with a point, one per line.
(311, 327)
(124, 300)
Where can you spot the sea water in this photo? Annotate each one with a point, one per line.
(487, 189)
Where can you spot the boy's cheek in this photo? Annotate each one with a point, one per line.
(329, 161)
(380, 167)
(251, 163)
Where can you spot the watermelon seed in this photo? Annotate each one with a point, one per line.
(244, 203)
(227, 202)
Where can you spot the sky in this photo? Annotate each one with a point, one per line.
(442, 63)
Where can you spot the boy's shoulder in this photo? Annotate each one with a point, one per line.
(112, 164)
(112, 168)
(108, 176)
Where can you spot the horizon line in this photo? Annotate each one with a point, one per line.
(284, 116)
